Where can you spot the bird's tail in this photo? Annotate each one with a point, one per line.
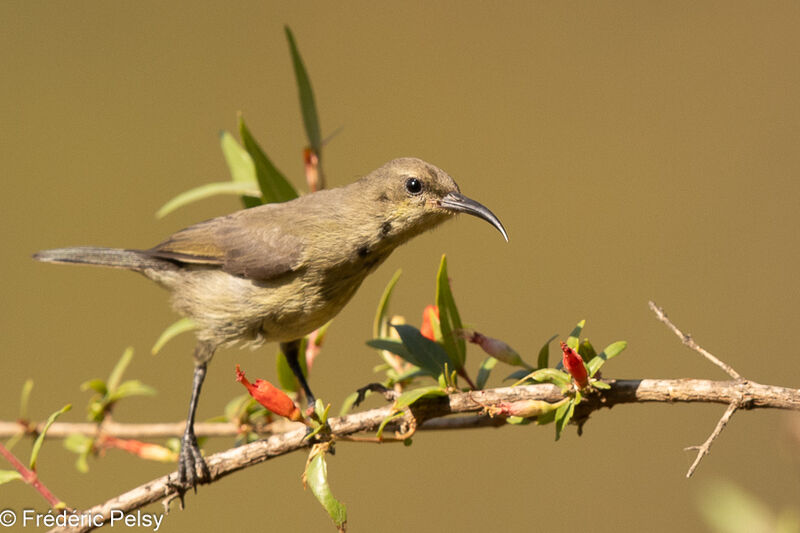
(109, 257)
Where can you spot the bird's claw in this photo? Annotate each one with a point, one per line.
(192, 468)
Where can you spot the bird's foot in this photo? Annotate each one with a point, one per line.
(192, 468)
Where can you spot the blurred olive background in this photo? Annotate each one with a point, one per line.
(633, 150)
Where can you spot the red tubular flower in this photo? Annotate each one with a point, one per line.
(270, 397)
(145, 450)
(574, 365)
(429, 314)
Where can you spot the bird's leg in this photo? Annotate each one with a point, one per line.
(190, 457)
(291, 350)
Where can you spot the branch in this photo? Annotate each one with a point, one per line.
(623, 391)
(689, 341)
(430, 413)
(61, 430)
(736, 403)
(31, 478)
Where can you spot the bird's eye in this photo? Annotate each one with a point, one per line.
(413, 186)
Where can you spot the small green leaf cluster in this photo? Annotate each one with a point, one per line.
(441, 357)
(106, 395)
(253, 174)
(557, 376)
(21, 473)
(110, 391)
(410, 354)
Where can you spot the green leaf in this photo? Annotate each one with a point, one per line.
(426, 354)
(241, 166)
(116, 374)
(600, 385)
(173, 330)
(393, 416)
(239, 162)
(286, 377)
(348, 403)
(449, 319)
(81, 445)
(548, 375)
(574, 337)
(316, 477)
(37, 444)
(97, 385)
(484, 371)
(273, 184)
(544, 354)
(132, 387)
(14, 439)
(518, 375)
(321, 331)
(728, 508)
(248, 189)
(380, 324)
(394, 346)
(412, 373)
(411, 396)
(96, 410)
(563, 416)
(9, 475)
(436, 324)
(173, 444)
(24, 397)
(77, 443)
(551, 375)
(307, 106)
(586, 351)
(237, 407)
(610, 351)
(321, 410)
(546, 418)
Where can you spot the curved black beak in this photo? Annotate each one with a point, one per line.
(459, 203)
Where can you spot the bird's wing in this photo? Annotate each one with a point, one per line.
(248, 246)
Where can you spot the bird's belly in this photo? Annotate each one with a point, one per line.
(230, 309)
(307, 305)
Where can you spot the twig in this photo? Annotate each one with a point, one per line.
(704, 448)
(60, 430)
(688, 341)
(31, 478)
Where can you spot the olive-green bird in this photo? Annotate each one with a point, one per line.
(277, 272)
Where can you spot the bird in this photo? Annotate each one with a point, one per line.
(278, 271)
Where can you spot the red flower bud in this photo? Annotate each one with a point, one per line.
(429, 314)
(495, 347)
(311, 161)
(145, 450)
(270, 397)
(574, 365)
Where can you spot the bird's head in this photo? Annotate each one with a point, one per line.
(415, 196)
